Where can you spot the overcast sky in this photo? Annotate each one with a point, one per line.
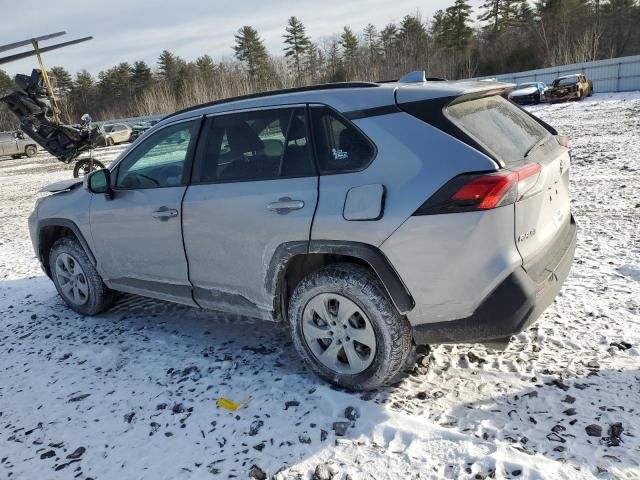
(130, 30)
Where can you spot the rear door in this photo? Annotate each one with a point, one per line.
(542, 210)
(8, 144)
(253, 193)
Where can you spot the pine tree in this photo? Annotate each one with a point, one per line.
(297, 44)
(169, 68)
(250, 50)
(621, 18)
(439, 28)
(524, 13)
(349, 44)
(335, 68)
(458, 16)
(388, 37)
(372, 41)
(413, 40)
(83, 93)
(6, 83)
(313, 62)
(205, 65)
(492, 14)
(62, 80)
(141, 77)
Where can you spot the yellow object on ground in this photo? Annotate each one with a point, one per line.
(230, 404)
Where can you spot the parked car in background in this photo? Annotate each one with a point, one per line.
(366, 216)
(139, 128)
(570, 87)
(17, 144)
(117, 133)
(528, 93)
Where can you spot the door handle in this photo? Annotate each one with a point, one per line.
(285, 205)
(164, 213)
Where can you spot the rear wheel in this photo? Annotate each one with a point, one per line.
(31, 151)
(346, 329)
(76, 279)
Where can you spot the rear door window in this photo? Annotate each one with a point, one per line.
(255, 145)
(498, 125)
(339, 145)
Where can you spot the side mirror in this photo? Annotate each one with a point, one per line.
(99, 181)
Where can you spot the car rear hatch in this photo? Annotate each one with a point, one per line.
(533, 172)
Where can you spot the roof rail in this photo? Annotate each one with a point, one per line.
(268, 93)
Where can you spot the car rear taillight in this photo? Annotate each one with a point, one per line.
(564, 141)
(471, 192)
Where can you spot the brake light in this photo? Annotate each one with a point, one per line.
(483, 191)
(486, 191)
(564, 141)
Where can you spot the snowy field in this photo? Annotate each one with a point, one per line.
(132, 394)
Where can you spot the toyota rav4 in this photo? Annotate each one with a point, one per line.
(368, 216)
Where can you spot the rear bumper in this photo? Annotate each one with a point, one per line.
(516, 303)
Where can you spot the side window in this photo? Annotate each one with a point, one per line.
(159, 160)
(256, 145)
(340, 147)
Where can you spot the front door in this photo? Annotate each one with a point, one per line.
(254, 190)
(137, 234)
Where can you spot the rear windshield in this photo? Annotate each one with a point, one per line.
(565, 81)
(498, 125)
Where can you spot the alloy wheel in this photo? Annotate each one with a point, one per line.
(72, 279)
(338, 333)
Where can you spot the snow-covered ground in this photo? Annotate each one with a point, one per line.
(132, 394)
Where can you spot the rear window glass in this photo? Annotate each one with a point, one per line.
(565, 81)
(498, 125)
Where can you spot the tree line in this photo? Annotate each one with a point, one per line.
(457, 42)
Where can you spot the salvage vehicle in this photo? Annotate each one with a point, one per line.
(117, 133)
(138, 129)
(529, 93)
(17, 144)
(570, 87)
(367, 216)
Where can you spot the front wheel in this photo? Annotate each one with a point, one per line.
(346, 329)
(84, 167)
(76, 279)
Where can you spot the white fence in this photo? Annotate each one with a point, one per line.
(620, 74)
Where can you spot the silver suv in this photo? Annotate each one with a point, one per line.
(369, 216)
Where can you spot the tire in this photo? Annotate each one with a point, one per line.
(68, 256)
(31, 151)
(380, 359)
(82, 167)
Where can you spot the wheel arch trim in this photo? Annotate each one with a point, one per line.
(371, 255)
(62, 222)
